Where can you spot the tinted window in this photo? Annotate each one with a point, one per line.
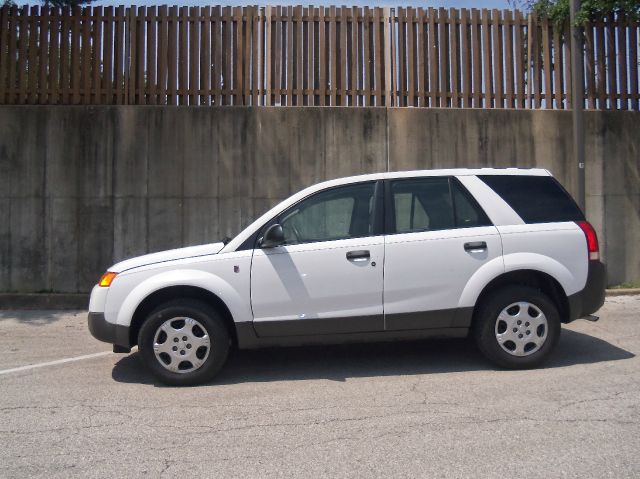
(536, 199)
(339, 213)
(428, 204)
(468, 212)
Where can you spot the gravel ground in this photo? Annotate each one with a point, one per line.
(428, 408)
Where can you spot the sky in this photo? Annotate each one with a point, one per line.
(500, 4)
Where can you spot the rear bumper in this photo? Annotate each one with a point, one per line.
(108, 332)
(591, 298)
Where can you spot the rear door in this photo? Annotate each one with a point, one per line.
(438, 237)
(327, 278)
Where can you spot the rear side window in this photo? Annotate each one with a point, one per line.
(429, 204)
(536, 199)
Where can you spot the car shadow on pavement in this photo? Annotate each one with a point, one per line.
(377, 359)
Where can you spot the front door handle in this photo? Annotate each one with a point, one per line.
(475, 246)
(360, 255)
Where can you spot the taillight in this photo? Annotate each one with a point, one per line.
(592, 239)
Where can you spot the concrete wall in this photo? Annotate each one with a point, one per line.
(83, 187)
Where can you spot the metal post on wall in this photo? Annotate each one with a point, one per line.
(577, 87)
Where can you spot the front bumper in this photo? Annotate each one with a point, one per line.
(103, 330)
(591, 298)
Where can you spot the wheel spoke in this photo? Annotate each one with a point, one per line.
(173, 365)
(519, 350)
(196, 362)
(508, 335)
(162, 347)
(198, 342)
(507, 318)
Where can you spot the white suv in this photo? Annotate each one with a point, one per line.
(503, 254)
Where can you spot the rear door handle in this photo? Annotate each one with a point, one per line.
(359, 255)
(475, 246)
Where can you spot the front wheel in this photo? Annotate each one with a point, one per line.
(517, 327)
(184, 342)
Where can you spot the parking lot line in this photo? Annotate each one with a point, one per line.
(56, 362)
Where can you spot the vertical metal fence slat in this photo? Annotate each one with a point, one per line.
(151, 55)
(508, 58)
(600, 65)
(31, 95)
(520, 93)
(557, 68)
(54, 52)
(487, 63)
(5, 53)
(322, 57)
(193, 72)
(96, 55)
(496, 30)
(537, 64)
(621, 60)
(107, 48)
(453, 58)
(11, 94)
(546, 63)
(633, 67)
(611, 67)
(567, 66)
(44, 57)
(476, 39)
(238, 51)
(85, 48)
(354, 55)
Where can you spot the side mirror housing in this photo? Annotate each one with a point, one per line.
(274, 236)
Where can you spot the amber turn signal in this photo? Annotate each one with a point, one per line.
(107, 279)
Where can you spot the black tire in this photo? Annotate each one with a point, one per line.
(208, 319)
(485, 329)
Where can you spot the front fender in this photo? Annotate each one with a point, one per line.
(185, 277)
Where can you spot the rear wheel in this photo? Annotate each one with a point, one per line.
(517, 327)
(184, 342)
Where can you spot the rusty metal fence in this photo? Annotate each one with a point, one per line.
(309, 56)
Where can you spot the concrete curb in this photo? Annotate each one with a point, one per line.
(44, 301)
(623, 292)
(62, 301)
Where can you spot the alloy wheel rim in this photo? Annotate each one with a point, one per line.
(181, 345)
(521, 329)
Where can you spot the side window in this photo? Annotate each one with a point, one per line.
(338, 213)
(468, 212)
(536, 199)
(422, 205)
(430, 204)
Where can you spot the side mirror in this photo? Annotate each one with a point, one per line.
(273, 237)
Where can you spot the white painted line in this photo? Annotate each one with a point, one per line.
(54, 363)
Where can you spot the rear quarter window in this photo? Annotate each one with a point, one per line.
(536, 199)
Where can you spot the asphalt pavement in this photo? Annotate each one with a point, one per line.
(71, 408)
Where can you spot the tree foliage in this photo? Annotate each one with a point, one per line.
(590, 10)
(65, 3)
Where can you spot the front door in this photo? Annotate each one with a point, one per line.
(327, 277)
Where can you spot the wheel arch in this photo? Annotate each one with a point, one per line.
(168, 293)
(536, 279)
